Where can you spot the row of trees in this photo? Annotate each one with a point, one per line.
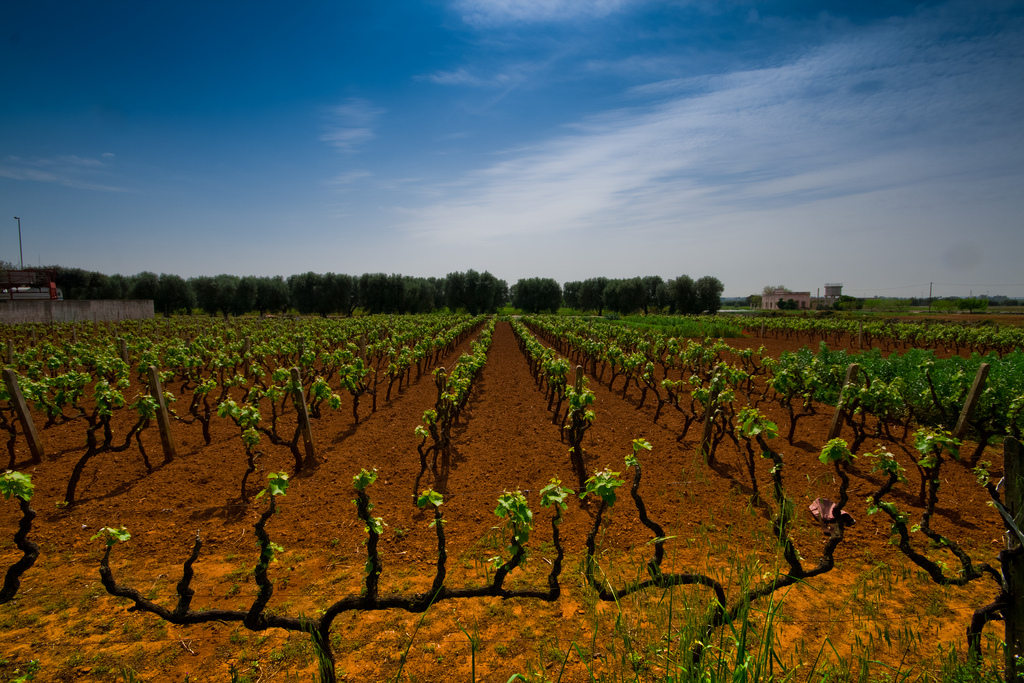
(308, 293)
(681, 295)
(339, 294)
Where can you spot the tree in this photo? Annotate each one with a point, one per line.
(340, 291)
(381, 293)
(490, 293)
(304, 290)
(272, 294)
(787, 305)
(537, 294)
(625, 296)
(74, 282)
(214, 294)
(455, 291)
(114, 287)
(144, 286)
(243, 299)
(419, 295)
(771, 289)
(571, 294)
(708, 291)
(173, 293)
(592, 294)
(972, 304)
(682, 295)
(654, 292)
(849, 303)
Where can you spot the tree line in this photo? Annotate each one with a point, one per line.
(339, 294)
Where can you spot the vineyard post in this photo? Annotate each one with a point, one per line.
(1013, 471)
(34, 444)
(124, 351)
(362, 347)
(579, 378)
(33, 335)
(74, 333)
(972, 400)
(163, 420)
(860, 334)
(299, 398)
(247, 348)
(10, 352)
(762, 329)
(302, 348)
(837, 419)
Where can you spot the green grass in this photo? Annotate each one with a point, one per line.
(681, 326)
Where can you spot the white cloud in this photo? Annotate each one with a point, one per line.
(69, 170)
(511, 77)
(345, 179)
(489, 12)
(457, 77)
(351, 124)
(896, 107)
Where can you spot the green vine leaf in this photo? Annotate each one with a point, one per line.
(112, 536)
(17, 485)
(277, 485)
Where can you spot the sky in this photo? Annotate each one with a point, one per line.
(778, 142)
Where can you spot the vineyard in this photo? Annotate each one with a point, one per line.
(428, 497)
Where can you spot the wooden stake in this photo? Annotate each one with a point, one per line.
(860, 336)
(10, 352)
(837, 419)
(972, 400)
(579, 378)
(163, 419)
(1013, 479)
(21, 408)
(299, 398)
(124, 352)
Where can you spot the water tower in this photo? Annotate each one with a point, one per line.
(833, 290)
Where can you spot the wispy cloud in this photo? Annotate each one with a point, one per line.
(464, 78)
(901, 105)
(351, 124)
(488, 12)
(510, 77)
(70, 170)
(343, 180)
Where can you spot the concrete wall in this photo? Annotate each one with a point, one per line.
(14, 312)
(771, 301)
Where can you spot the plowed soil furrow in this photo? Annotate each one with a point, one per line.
(506, 440)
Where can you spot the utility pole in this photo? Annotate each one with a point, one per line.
(20, 251)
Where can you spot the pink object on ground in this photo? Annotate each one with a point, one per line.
(825, 513)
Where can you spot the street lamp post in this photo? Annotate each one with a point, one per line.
(20, 251)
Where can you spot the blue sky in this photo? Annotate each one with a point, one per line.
(877, 144)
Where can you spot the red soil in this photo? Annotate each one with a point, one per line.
(506, 441)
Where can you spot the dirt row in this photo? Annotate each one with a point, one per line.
(506, 440)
